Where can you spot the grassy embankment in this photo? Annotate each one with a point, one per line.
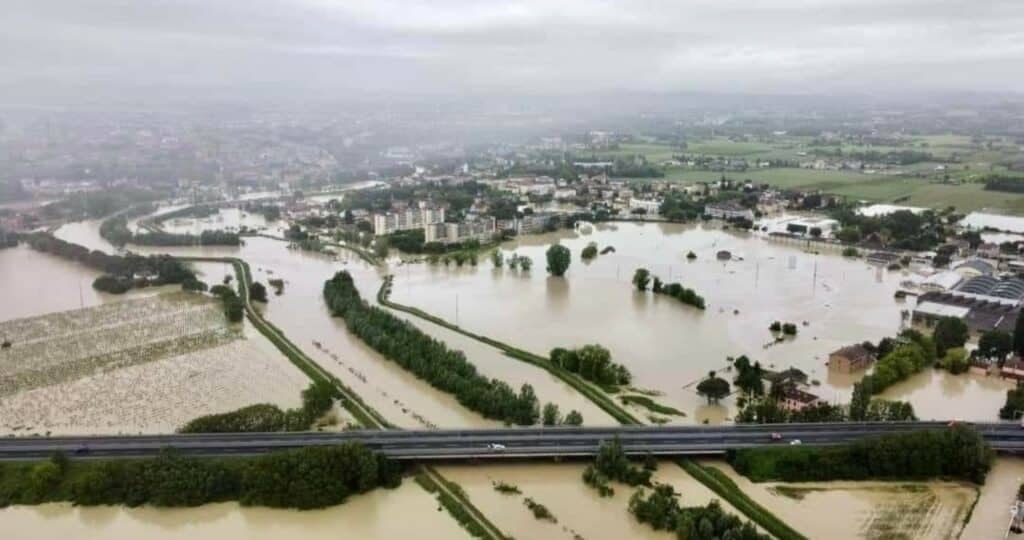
(454, 500)
(728, 491)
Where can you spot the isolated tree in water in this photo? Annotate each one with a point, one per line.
(641, 278)
(713, 388)
(558, 260)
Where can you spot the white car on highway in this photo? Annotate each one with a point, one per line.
(496, 447)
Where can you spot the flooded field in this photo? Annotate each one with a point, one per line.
(405, 512)
(405, 400)
(868, 510)
(227, 219)
(143, 365)
(33, 283)
(669, 346)
(577, 507)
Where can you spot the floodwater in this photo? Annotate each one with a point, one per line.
(34, 283)
(871, 510)
(405, 512)
(991, 517)
(669, 347)
(577, 507)
(402, 398)
(226, 219)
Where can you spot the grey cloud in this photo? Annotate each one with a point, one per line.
(352, 48)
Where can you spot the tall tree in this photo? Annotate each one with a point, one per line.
(950, 333)
(1018, 334)
(995, 345)
(558, 259)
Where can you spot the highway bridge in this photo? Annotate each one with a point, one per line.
(494, 444)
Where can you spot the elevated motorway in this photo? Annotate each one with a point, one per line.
(494, 444)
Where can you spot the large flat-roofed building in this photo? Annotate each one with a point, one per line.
(728, 210)
(941, 281)
(407, 219)
(981, 313)
(481, 229)
(983, 285)
(981, 221)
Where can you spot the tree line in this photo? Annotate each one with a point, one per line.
(308, 478)
(115, 230)
(660, 509)
(427, 358)
(955, 452)
(317, 400)
(642, 277)
(122, 273)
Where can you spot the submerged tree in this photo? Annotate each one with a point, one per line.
(558, 257)
(641, 278)
(713, 388)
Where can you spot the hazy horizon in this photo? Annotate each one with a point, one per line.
(63, 51)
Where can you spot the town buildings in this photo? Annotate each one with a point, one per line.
(728, 210)
(406, 219)
(851, 358)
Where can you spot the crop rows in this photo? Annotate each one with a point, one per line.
(98, 339)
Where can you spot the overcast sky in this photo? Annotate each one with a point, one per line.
(343, 48)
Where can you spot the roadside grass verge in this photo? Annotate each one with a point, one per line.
(725, 488)
(651, 405)
(454, 500)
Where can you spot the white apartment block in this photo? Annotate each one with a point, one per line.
(405, 220)
(481, 229)
(649, 206)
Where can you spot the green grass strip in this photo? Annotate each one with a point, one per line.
(651, 405)
(454, 500)
(724, 487)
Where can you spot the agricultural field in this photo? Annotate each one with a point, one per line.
(870, 510)
(145, 365)
(924, 183)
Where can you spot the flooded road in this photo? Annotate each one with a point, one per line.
(405, 512)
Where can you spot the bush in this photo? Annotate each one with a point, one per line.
(591, 362)
(589, 252)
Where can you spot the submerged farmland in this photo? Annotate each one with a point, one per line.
(145, 365)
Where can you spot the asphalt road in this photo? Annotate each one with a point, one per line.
(448, 444)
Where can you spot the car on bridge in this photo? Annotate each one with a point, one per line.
(496, 447)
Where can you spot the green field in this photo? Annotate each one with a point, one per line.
(921, 183)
